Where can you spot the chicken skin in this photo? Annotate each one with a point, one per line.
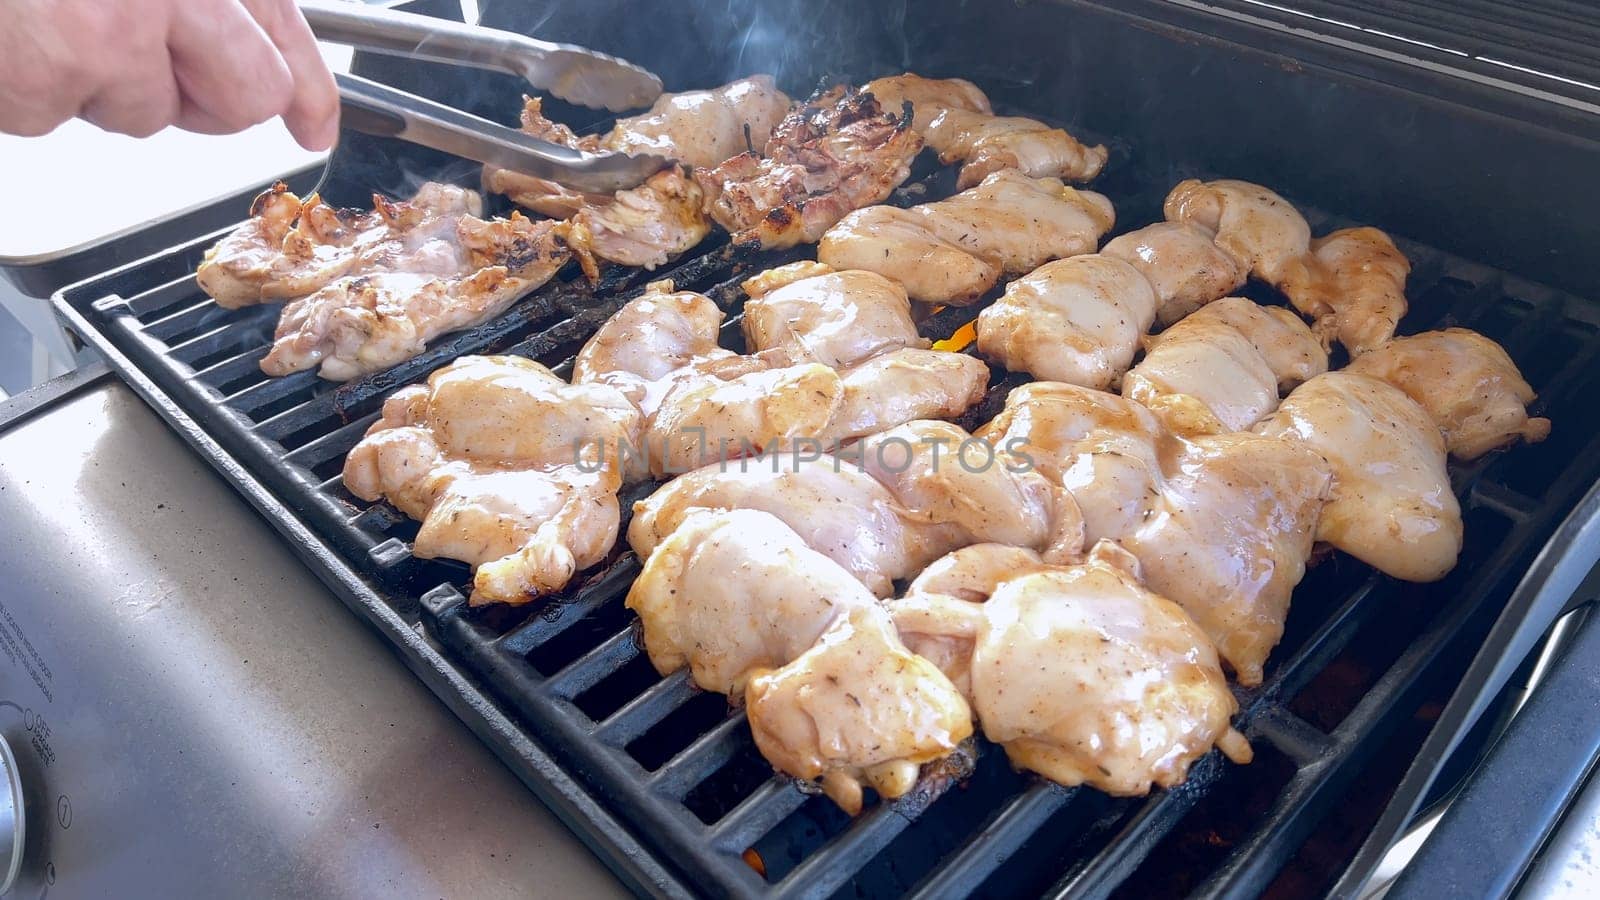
(957, 121)
(1391, 506)
(702, 420)
(703, 128)
(882, 510)
(727, 592)
(1076, 320)
(857, 710)
(1258, 228)
(1241, 510)
(831, 693)
(837, 508)
(367, 323)
(290, 248)
(1081, 673)
(903, 385)
(528, 507)
(703, 403)
(696, 128)
(649, 338)
(1222, 368)
(837, 152)
(1465, 382)
(953, 251)
(1353, 284)
(839, 319)
(644, 226)
(1183, 264)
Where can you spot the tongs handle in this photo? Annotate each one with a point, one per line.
(373, 108)
(571, 73)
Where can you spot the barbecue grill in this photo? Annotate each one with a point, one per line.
(1479, 166)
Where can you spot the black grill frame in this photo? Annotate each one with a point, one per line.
(478, 661)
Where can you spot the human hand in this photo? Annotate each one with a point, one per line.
(137, 66)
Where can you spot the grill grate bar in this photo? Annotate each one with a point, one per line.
(710, 752)
(775, 800)
(1504, 501)
(826, 870)
(335, 443)
(591, 668)
(566, 733)
(642, 712)
(163, 300)
(1132, 843)
(555, 617)
(270, 390)
(1298, 739)
(1000, 838)
(173, 321)
(225, 371)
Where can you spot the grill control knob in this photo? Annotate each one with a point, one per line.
(13, 825)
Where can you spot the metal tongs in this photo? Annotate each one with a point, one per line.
(572, 73)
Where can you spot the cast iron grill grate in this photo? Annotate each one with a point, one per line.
(681, 770)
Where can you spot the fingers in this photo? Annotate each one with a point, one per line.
(142, 102)
(313, 110)
(228, 71)
(136, 93)
(63, 58)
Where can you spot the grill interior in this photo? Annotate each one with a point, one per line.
(674, 764)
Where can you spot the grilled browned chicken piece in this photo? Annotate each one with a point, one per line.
(1353, 284)
(956, 120)
(1081, 673)
(1222, 525)
(952, 251)
(1183, 264)
(883, 509)
(703, 128)
(831, 693)
(1076, 320)
(1465, 382)
(644, 226)
(1392, 505)
(1224, 367)
(290, 248)
(837, 152)
(509, 469)
(541, 195)
(696, 128)
(365, 323)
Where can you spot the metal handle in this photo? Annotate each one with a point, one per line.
(377, 109)
(572, 73)
(421, 37)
